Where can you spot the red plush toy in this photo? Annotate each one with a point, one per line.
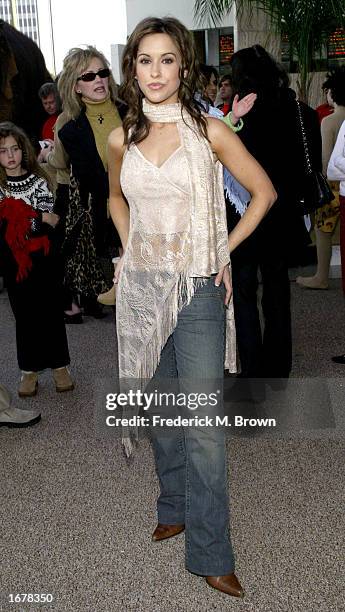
(18, 215)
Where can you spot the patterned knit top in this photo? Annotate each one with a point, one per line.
(32, 189)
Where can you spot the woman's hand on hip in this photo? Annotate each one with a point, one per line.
(223, 276)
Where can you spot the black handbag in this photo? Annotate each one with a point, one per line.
(315, 190)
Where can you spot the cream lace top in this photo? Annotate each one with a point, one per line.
(177, 238)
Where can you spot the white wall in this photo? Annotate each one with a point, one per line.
(81, 22)
(116, 58)
(103, 23)
(181, 9)
(45, 34)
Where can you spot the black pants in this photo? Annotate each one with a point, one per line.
(36, 303)
(265, 352)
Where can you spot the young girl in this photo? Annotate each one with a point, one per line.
(26, 224)
(174, 277)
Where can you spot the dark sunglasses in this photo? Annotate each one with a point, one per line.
(103, 73)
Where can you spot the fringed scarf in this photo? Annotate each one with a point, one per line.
(18, 216)
(157, 281)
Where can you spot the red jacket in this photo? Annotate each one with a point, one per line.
(48, 127)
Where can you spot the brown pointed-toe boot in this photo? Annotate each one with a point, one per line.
(163, 532)
(226, 584)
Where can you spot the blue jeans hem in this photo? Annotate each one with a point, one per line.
(215, 570)
(172, 521)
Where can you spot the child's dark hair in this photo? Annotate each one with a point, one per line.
(29, 160)
(335, 82)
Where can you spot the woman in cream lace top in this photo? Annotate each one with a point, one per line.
(174, 288)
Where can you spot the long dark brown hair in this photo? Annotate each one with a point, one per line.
(29, 161)
(253, 69)
(189, 84)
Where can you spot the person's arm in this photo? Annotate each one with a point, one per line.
(239, 109)
(339, 163)
(336, 165)
(235, 157)
(43, 216)
(118, 207)
(327, 137)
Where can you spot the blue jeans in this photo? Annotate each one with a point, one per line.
(191, 461)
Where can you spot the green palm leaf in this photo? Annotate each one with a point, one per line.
(307, 23)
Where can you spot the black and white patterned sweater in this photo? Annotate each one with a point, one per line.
(31, 189)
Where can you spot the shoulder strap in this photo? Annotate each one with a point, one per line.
(304, 138)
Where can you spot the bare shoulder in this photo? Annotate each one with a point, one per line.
(329, 125)
(116, 140)
(217, 131)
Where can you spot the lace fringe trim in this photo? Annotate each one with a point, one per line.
(180, 296)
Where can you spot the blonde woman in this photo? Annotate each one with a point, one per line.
(91, 111)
